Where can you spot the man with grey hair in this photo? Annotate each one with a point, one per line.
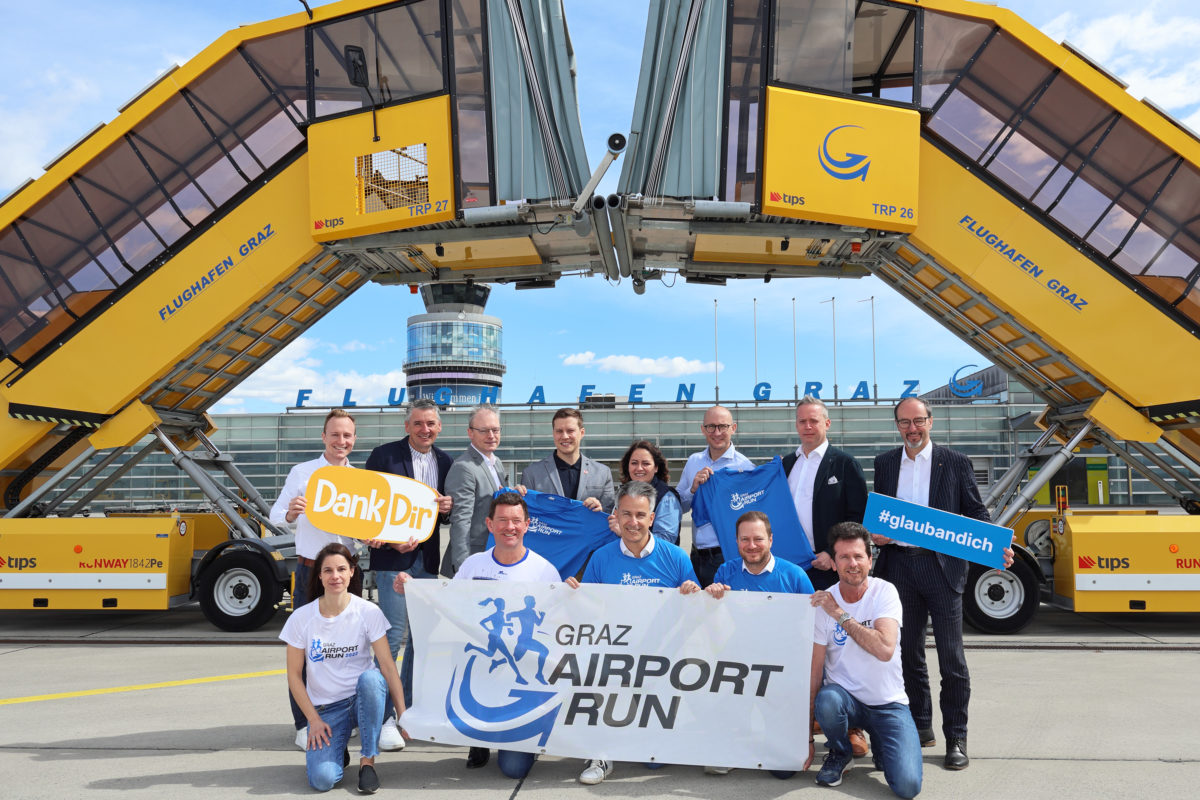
(636, 559)
(827, 486)
(474, 477)
(416, 457)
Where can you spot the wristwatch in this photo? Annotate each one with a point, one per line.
(844, 618)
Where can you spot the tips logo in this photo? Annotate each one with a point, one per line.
(849, 166)
(1086, 562)
(320, 224)
(787, 199)
(531, 712)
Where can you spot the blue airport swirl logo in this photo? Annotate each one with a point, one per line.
(849, 166)
(971, 388)
(531, 712)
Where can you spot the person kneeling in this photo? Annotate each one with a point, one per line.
(339, 635)
(857, 680)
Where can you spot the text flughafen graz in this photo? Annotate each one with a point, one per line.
(685, 393)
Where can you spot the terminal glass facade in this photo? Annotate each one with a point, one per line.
(990, 432)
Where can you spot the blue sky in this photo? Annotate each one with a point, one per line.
(69, 65)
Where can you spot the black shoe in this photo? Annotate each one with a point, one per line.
(956, 754)
(926, 736)
(345, 758)
(368, 781)
(477, 757)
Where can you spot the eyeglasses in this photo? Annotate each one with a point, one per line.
(486, 431)
(714, 428)
(915, 422)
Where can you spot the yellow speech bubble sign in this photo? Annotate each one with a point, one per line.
(363, 504)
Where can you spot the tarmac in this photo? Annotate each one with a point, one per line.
(155, 704)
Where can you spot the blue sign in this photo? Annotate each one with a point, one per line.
(933, 529)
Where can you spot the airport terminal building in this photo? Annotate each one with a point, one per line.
(991, 428)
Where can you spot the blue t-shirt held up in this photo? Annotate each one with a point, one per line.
(666, 566)
(728, 494)
(784, 577)
(562, 531)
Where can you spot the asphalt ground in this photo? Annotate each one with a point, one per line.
(161, 704)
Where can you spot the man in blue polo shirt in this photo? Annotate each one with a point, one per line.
(636, 559)
(758, 570)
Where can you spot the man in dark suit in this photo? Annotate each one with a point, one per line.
(414, 457)
(930, 583)
(827, 486)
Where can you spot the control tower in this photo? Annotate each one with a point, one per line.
(455, 351)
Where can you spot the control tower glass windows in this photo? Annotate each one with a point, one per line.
(403, 48)
(455, 342)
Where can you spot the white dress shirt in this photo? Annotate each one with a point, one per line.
(913, 484)
(647, 550)
(424, 467)
(802, 480)
(309, 538)
(491, 462)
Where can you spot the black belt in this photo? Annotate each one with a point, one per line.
(706, 552)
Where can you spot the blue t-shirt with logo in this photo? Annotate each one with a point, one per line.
(562, 531)
(665, 566)
(783, 577)
(728, 494)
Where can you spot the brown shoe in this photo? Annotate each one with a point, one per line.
(858, 743)
(816, 728)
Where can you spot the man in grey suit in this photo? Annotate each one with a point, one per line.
(568, 472)
(474, 477)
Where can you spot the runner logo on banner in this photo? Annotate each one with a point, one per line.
(933, 529)
(620, 673)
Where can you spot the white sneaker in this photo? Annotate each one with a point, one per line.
(595, 772)
(718, 770)
(390, 738)
(302, 738)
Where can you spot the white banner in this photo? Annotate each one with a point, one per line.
(622, 673)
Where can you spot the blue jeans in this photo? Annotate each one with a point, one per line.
(893, 733)
(395, 607)
(513, 764)
(364, 708)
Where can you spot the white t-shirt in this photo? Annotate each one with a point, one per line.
(870, 680)
(337, 650)
(530, 569)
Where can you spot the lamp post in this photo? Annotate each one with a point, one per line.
(833, 308)
(874, 374)
(795, 369)
(716, 356)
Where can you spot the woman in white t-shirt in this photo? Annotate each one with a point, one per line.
(339, 636)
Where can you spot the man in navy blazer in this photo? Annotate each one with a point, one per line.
(930, 583)
(827, 486)
(414, 457)
(567, 472)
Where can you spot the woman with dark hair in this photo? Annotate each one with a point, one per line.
(339, 636)
(644, 462)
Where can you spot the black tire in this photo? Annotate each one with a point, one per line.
(1000, 601)
(238, 591)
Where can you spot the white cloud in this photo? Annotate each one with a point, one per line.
(352, 346)
(296, 367)
(662, 367)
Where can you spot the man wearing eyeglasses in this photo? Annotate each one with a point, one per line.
(473, 478)
(930, 584)
(718, 428)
